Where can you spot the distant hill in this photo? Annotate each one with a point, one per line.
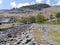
(3, 10)
(31, 10)
(36, 6)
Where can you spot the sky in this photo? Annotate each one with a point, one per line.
(8, 4)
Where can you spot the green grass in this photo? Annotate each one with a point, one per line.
(51, 23)
(9, 25)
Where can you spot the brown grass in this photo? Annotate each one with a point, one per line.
(37, 36)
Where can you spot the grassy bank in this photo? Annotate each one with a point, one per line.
(51, 23)
(9, 25)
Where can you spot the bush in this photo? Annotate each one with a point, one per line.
(31, 19)
(57, 15)
(39, 18)
(51, 16)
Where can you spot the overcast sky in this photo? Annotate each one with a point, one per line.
(8, 4)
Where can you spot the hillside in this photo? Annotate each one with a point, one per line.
(51, 10)
(36, 6)
(31, 10)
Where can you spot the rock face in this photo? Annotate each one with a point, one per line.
(15, 30)
(21, 35)
(17, 36)
(7, 20)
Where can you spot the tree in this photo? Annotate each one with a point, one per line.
(57, 15)
(23, 20)
(31, 19)
(39, 18)
(51, 16)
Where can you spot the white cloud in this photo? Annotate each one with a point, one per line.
(32, 3)
(48, 2)
(58, 3)
(38, 1)
(13, 4)
(22, 4)
(0, 1)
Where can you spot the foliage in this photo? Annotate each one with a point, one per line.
(31, 19)
(57, 15)
(51, 16)
(51, 23)
(23, 20)
(9, 25)
(39, 18)
(36, 6)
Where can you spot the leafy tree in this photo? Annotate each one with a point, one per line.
(23, 20)
(51, 16)
(39, 18)
(31, 19)
(57, 15)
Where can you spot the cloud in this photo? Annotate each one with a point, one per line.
(22, 4)
(38, 1)
(32, 3)
(25, 4)
(13, 4)
(0, 1)
(48, 2)
(53, 2)
(58, 3)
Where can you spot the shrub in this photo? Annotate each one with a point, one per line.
(39, 18)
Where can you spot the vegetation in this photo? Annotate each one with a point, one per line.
(57, 15)
(37, 36)
(36, 6)
(23, 20)
(55, 34)
(39, 18)
(31, 19)
(51, 23)
(9, 25)
(1, 16)
(51, 16)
